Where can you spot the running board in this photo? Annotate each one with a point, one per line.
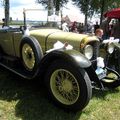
(19, 72)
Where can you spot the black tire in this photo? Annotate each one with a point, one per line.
(68, 86)
(114, 61)
(117, 60)
(31, 54)
(112, 80)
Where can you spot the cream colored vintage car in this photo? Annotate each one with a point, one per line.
(66, 62)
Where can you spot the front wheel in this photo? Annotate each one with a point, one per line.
(68, 86)
(112, 80)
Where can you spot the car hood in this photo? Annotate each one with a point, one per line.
(50, 36)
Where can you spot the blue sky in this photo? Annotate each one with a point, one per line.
(19, 3)
(14, 3)
(17, 6)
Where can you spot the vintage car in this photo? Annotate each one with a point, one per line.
(114, 58)
(67, 62)
(117, 57)
(109, 50)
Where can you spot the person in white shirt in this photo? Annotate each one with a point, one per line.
(65, 27)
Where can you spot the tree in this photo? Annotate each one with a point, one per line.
(58, 4)
(50, 4)
(50, 7)
(6, 5)
(101, 6)
(91, 7)
(106, 5)
(85, 8)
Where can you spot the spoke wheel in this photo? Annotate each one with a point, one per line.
(31, 54)
(68, 87)
(64, 86)
(28, 56)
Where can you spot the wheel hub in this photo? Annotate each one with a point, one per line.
(67, 85)
(28, 56)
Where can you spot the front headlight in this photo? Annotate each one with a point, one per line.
(88, 51)
(110, 48)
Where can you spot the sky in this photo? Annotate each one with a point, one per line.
(17, 6)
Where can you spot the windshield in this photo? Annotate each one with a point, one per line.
(41, 18)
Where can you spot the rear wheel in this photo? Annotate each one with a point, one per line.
(69, 87)
(31, 54)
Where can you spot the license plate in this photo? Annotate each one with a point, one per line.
(101, 73)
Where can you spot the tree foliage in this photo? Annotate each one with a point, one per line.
(57, 4)
(6, 5)
(102, 6)
(91, 7)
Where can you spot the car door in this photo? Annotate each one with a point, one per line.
(6, 41)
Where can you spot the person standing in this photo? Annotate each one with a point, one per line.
(105, 27)
(65, 27)
(96, 26)
(3, 20)
(74, 27)
(115, 31)
(99, 34)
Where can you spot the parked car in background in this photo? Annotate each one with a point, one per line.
(68, 62)
(110, 52)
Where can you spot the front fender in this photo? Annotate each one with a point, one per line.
(72, 56)
(77, 57)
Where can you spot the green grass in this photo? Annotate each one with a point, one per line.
(26, 100)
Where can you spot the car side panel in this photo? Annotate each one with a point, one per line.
(6, 42)
(17, 40)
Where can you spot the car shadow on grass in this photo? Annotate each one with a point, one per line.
(31, 102)
(97, 93)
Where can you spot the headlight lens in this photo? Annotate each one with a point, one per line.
(110, 48)
(88, 51)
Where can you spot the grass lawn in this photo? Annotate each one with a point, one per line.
(26, 100)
